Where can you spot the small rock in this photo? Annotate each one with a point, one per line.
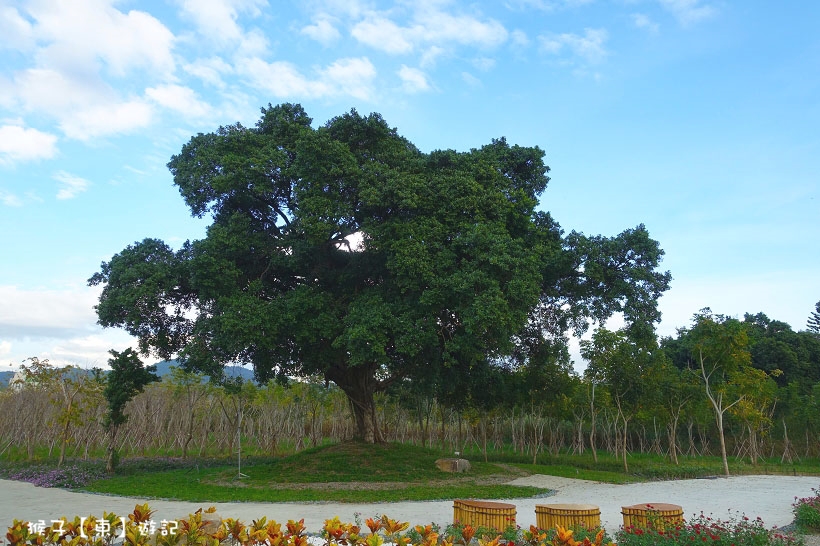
(453, 465)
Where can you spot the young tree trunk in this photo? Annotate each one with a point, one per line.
(721, 436)
(592, 425)
(624, 445)
(672, 427)
(787, 445)
(716, 399)
(111, 449)
(484, 435)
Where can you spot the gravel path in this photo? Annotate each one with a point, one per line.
(769, 497)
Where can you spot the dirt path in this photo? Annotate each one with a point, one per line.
(769, 497)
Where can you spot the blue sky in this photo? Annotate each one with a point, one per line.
(698, 118)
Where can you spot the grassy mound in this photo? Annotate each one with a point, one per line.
(346, 472)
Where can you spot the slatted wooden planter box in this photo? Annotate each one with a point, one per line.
(493, 515)
(659, 515)
(548, 516)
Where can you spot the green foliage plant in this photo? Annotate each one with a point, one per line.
(126, 379)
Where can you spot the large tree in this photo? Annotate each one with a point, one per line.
(345, 251)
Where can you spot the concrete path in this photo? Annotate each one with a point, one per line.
(769, 497)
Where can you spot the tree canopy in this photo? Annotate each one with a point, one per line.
(345, 251)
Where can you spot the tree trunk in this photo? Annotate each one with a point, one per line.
(111, 449)
(592, 425)
(359, 384)
(673, 439)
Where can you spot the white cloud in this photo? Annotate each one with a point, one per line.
(438, 26)
(210, 70)
(15, 31)
(519, 38)
(429, 25)
(70, 185)
(77, 35)
(46, 313)
(5, 348)
(106, 119)
(430, 56)
(85, 350)
(322, 31)
(688, 11)
(53, 93)
(91, 350)
(253, 43)
(79, 53)
(470, 80)
(383, 34)
(84, 108)
(641, 20)
(217, 19)
(590, 46)
(343, 8)
(22, 144)
(10, 200)
(280, 78)
(180, 99)
(352, 77)
(547, 5)
(414, 80)
(483, 63)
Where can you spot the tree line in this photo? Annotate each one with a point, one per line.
(745, 388)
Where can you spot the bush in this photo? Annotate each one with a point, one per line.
(807, 512)
(703, 529)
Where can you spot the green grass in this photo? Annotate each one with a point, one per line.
(356, 472)
(347, 472)
(649, 466)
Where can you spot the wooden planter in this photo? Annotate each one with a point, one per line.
(493, 515)
(658, 515)
(548, 516)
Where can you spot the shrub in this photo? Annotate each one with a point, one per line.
(704, 529)
(807, 512)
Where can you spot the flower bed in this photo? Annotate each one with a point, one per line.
(704, 529)
(807, 512)
(206, 528)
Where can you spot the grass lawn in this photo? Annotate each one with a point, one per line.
(346, 472)
(357, 472)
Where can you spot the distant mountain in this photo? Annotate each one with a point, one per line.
(163, 369)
